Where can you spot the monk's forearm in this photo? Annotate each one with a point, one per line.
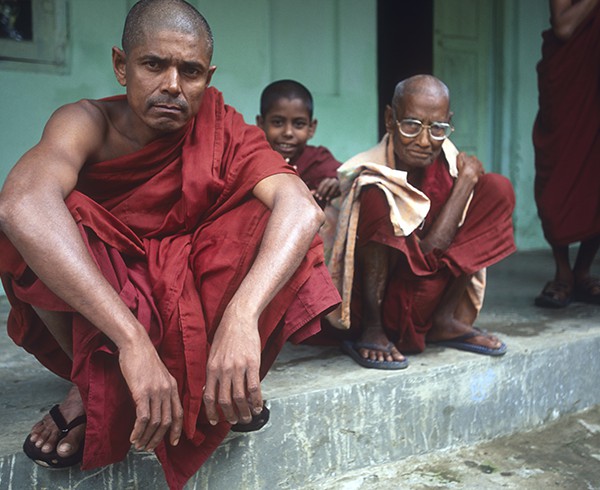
(446, 225)
(567, 16)
(41, 228)
(289, 233)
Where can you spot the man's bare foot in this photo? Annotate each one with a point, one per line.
(375, 336)
(45, 434)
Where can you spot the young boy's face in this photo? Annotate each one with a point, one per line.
(288, 127)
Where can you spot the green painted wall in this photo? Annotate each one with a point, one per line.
(30, 97)
(522, 25)
(331, 47)
(245, 59)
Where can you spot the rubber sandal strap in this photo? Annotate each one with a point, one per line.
(386, 349)
(555, 287)
(58, 418)
(477, 332)
(589, 283)
(61, 423)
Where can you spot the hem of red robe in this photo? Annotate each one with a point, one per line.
(566, 137)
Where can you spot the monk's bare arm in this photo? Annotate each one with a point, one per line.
(35, 218)
(233, 366)
(444, 228)
(567, 15)
(33, 215)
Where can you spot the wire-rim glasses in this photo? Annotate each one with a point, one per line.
(411, 128)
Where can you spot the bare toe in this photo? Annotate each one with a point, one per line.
(70, 443)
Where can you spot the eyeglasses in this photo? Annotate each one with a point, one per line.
(411, 128)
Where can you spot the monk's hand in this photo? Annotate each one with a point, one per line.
(328, 189)
(469, 167)
(154, 392)
(232, 371)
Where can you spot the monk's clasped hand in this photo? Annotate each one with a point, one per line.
(469, 166)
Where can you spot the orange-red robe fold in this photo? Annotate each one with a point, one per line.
(566, 134)
(174, 229)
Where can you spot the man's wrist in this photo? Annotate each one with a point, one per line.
(132, 338)
(241, 309)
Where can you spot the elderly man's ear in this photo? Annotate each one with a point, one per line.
(388, 117)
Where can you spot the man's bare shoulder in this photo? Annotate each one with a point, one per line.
(85, 111)
(88, 127)
(77, 118)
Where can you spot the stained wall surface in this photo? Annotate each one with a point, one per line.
(330, 45)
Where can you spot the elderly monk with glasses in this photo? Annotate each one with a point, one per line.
(419, 222)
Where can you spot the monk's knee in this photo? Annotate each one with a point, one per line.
(499, 189)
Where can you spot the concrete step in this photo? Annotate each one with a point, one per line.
(330, 417)
(563, 454)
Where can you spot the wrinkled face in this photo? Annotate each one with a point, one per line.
(165, 77)
(422, 150)
(288, 127)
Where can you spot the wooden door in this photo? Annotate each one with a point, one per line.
(463, 59)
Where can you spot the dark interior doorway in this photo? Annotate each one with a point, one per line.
(404, 45)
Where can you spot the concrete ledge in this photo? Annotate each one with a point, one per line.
(330, 416)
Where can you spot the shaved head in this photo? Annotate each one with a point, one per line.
(148, 16)
(421, 85)
(285, 89)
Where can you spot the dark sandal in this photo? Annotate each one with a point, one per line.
(53, 459)
(461, 342)
(352, 349)
(257, 422)
(588, 290)
(556, 294)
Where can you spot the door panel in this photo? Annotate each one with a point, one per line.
(462, 59)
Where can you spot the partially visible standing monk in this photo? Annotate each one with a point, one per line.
(157, 253)
(566, 137)
(418, 226)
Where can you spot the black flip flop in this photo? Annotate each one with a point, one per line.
(583, 291)
(53, 460)
(257, 422)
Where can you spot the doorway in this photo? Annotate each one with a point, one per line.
(404, 45)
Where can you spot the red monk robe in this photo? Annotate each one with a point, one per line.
(315, 164)
(418, 282)
(174, 228)
(566, 134)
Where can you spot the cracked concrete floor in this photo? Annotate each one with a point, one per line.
(563, 454)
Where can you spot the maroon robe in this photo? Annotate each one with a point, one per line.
(418, 281)
(174, 228)
(566, 134)
(315, 164)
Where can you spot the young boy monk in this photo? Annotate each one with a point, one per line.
(286, 117)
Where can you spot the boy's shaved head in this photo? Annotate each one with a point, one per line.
(285, 89)
(148, 16)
